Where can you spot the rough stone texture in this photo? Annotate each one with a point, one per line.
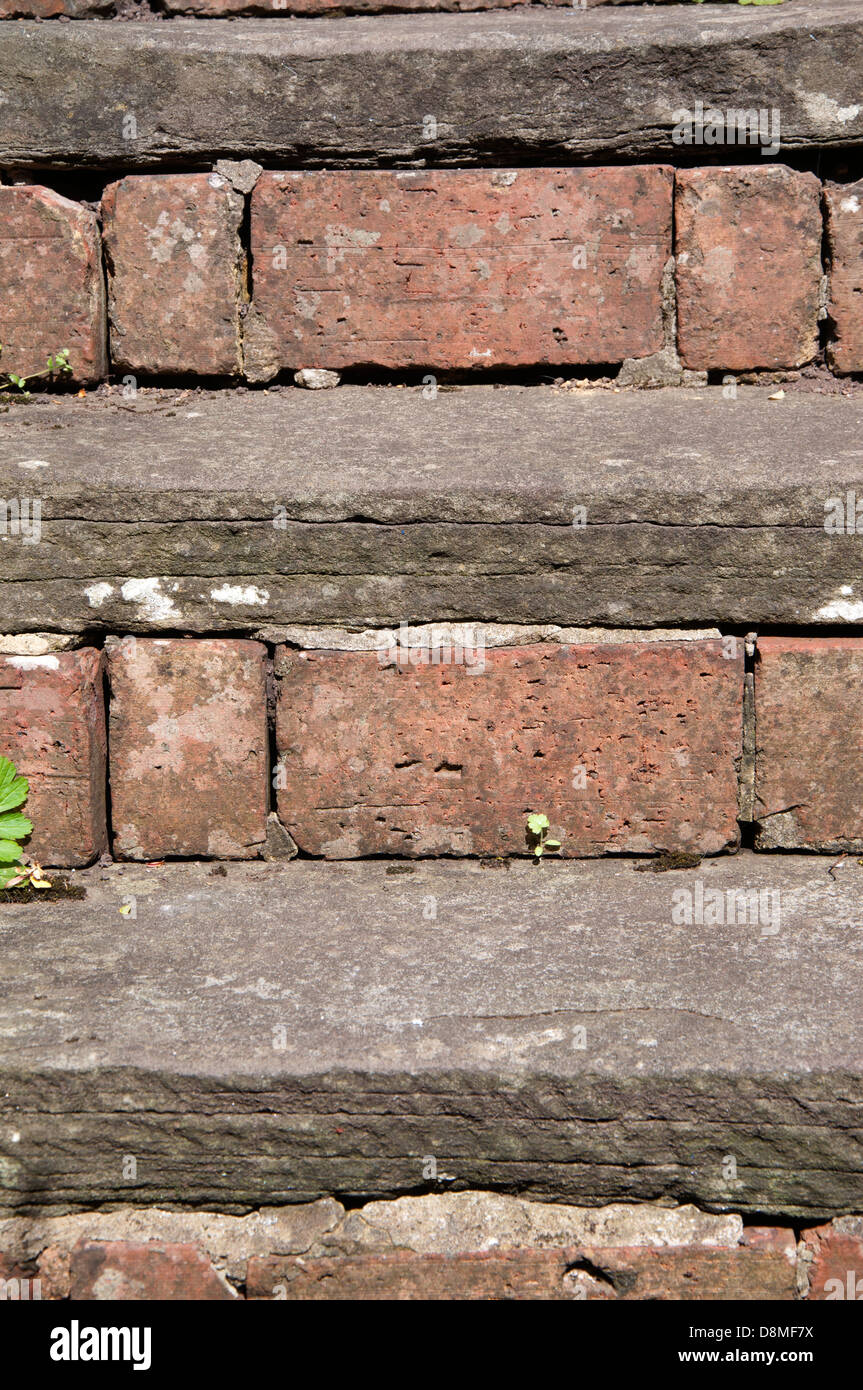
(809, 765)
(748, 244)
(544, 84)
(241, 174)
(466, 1244)
(175, 273)
(227, 1241)
(316, 379)
(844, 203)
(52, 726)
(284, 1032)
(279, 843)
(460, 1222)
(52, 294)
(627, 748)
(189, 752)
(699, 509)
(459, 269)
(107, 1271)
(833, 1260)
(574, 1273)
(431, 635)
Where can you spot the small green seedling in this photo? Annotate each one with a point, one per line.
(14, 869)
(58, 362)
(537, 834)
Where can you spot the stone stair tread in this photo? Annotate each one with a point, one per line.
(365, 507)
(673, 456)
(453, 1034)
(568, 82)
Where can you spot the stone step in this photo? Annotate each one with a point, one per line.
(570, 82)
(245, 1035)
(366, 507)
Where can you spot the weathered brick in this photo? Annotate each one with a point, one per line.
(52, 726)
(748, 247)
(809, 761)
(845, 233)
(457, 268)
(52, 292)
(627, 747)
(833, 1258)
(229, 7)
(672, 1272)
(124, 1270)
(188, 760)
(50, 9)
(175, 276)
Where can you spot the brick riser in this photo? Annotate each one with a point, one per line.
(445, 270)
(636, 746)
(495, 1247)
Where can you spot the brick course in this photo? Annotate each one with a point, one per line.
(450, 269)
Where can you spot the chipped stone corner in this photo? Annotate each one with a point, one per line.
(241, 174)
(260, 354)
(279, 844)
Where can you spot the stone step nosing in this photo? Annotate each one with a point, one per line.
(579, 83)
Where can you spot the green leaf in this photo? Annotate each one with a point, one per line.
(13, 789)
(549, 844)
(537, 823)
(7, 873)
(14, 826)
(10, 853)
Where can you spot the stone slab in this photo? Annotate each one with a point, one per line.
(696, 509)
(278, 1033)
(558, 83)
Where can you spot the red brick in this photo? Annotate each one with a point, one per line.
(459, 268)
(836, 1267)
(845, 233)
(809, 758)
(188, 726)
(52, 726)
(670, 1272)
(228, 7)
(748, 247)
(49, 9)
(424, 760)
(124, 1270)
(52, 292)
(175, 273)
